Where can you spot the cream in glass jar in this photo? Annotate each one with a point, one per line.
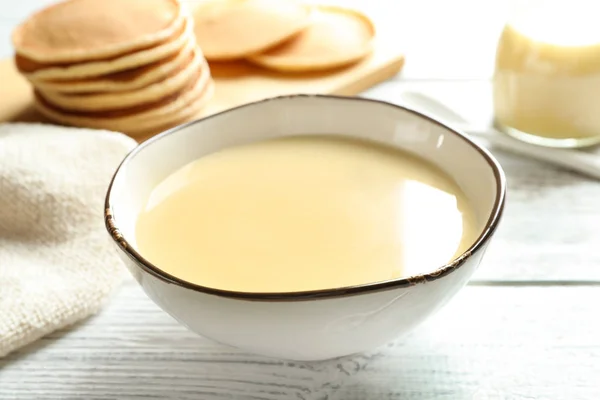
(547, 78)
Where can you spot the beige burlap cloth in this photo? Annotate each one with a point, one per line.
(57, 264)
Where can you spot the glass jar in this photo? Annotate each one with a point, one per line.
(547, 76)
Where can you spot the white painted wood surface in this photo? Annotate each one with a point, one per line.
(526, 328)
(491, 343)
(495, 343)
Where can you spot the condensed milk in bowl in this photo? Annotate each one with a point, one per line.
(305, 227)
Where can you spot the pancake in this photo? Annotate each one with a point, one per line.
(233, 29)
(130, 79)
(81, 30)
(141, 118)
(335, 37)
(35, 71)
(118, 100)
(159, 124)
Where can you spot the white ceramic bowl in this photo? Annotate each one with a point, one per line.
(318, 324)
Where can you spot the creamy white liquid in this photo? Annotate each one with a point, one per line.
(304, 213)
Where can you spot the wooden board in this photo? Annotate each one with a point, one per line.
(236, 83)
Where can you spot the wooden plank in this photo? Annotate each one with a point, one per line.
(133, 350)
(494, 344)
(489, 342)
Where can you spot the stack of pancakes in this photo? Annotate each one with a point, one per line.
(126, 65)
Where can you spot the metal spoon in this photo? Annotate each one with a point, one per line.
(582, 161)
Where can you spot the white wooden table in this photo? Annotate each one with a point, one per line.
(526, 327)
